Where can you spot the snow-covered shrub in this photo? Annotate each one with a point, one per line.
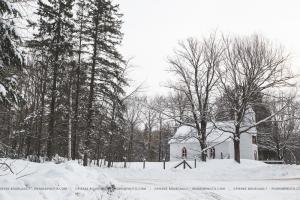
(57, 159)
(7, 152)
(33, 158)
(110, 188)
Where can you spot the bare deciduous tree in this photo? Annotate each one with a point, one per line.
(160, 102)
(177, 105)
(284, 138)
(251, 65)
(132, 118)
(149, 120)
(194, 65)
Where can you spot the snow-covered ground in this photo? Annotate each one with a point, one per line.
(213, 180)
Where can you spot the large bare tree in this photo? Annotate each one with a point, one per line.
(177, 105)
(250, 66)
(194, 65)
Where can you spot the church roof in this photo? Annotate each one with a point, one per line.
(215, 132)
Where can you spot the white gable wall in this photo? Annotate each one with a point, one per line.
(247, 149)
(231, 149)
(185, 136)
(191, 148)
(223, 148)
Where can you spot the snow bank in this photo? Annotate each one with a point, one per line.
(66, 181)
(235, 181)
(71, 181)
(226, 169)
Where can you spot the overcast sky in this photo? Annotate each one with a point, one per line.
(153, 28)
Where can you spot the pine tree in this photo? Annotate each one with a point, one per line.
(105, 35)
(80, 35)
(55, 36)
(11, 58)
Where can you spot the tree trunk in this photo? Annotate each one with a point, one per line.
(54, 90)
(149, 145)
(160, 142)
(91, 94)
(70, 120)
(42, 110)
(109, 159)
(159, 147)
(203, 140)
(31, 127)
(130, 148)
(236, 144)
(52, 113)
(74, 139)
(97, 152)
(237, 156)
(28, 145)
(278, 152)
(10, 130)
(236, 137)
(203, 153)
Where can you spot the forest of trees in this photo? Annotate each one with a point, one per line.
(64, 91)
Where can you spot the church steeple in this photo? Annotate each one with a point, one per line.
(249, 117)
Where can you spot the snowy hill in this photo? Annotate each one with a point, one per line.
(216, 179)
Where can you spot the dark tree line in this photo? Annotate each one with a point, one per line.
(11, 63)
(67, 97)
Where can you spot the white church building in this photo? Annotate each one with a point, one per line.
(185, 145)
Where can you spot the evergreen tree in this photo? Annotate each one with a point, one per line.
(55, 36)
(105, 69)
(81, 43)
(11, 58)
(11, 69)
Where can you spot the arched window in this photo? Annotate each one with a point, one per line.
(183, 152)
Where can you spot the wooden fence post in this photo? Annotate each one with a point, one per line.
(124, 162)
(164, 160)
(195, 162)
(144, 163)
